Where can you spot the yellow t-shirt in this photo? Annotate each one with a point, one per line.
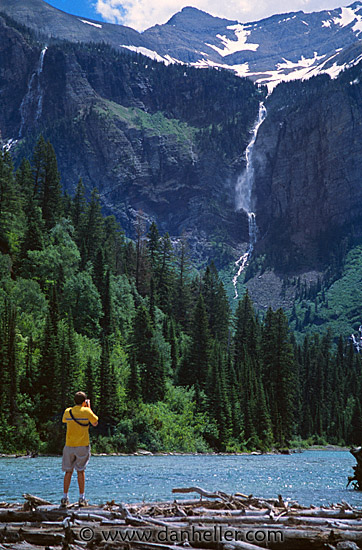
(78, 436)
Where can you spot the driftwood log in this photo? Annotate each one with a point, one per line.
(215, 521)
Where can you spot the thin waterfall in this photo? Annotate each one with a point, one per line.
(243, 196)
(40, 89)
(34, 91)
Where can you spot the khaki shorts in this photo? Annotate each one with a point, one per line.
(75, 458)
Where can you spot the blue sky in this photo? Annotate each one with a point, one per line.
(85, 8)
(141, 14)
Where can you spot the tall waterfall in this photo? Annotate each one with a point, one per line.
(34, 92)
(243, 198)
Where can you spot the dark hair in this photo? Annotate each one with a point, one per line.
(80, 397)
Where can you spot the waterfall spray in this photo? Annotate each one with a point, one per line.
(243, 196)
(40, 89)
(34, 91)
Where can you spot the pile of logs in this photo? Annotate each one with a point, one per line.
(215, 521)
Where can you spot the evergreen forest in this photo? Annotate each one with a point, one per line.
(166, 361)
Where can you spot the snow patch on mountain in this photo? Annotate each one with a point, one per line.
(302, 63)
(167, 59)
(347, 16)
(90, 23)
(233, 46)
(357, 27)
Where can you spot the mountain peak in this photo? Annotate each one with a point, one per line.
(355, 5)
(192, 18)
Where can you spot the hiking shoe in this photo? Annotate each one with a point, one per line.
(64, 502)
(82, 501)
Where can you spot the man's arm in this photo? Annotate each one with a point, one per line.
(94, 418)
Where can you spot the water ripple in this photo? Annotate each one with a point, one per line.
(312, 477)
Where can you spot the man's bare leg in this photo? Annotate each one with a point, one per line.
(81, 482)
(67, 480)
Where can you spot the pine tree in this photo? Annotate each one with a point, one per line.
(142, 336)
(51, 198)
(142, 273)
(8, 361)
(25, 181)
(165, 274)
(28, 379)
(217, 397)
(49, 376)
(247, 337)
(33, 236)
(152, 302)
(279, 375)
(10, 206)
(99, 272)
(90, 383)
(355, 429)
(194, 369)
(78, 209)
(113, 245)
(233, 390)
(69, 363)
(38, 164)
(146, 359)
(172, 339)
(153, 246)
(262, 418)
(182, 293)
(92, 231)
(217, 305)
(154, 376)
(107, 321)
(105, 393)
(109, 405)
(134, 391)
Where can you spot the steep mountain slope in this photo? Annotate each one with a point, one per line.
(164, 140)
(308, 165)
(51, 22)
(282, 47)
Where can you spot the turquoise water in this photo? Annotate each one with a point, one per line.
(311, 477)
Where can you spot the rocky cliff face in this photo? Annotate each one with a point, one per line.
(308, 166)
(167, 141)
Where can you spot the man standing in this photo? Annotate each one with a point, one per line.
(76, 453)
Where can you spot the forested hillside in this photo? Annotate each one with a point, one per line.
(153, 342)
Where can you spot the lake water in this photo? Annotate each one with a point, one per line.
(311, 477)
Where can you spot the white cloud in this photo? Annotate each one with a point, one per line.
(142, 14)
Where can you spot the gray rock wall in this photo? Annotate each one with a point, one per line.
(309, 169)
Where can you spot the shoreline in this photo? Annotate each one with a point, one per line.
(144, 452)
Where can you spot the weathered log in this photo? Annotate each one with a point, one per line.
(35, 500)
(238, 545)
(328, 513)
(43, 538)
(201, 492)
